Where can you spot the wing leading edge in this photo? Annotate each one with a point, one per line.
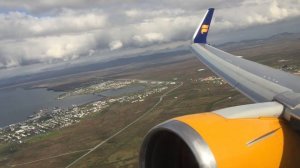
(258, 82)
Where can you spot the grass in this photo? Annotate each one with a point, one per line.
(45, 136)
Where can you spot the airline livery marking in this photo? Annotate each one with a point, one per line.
(204, 29)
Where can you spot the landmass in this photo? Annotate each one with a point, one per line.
(110, 137)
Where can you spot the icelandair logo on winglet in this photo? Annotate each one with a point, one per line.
(204, 29)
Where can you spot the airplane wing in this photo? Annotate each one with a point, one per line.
(253, 135)
(258, 82)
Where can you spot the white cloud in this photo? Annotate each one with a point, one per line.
(49, 31)
(114, 45)
(132, 13)
(146, 39)
(22, 25)
(46, 49)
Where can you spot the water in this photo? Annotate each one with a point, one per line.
(17, 104)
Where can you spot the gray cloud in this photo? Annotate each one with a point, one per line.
(37, 6)
(53, 31)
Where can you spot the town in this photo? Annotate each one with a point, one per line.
(46, 120)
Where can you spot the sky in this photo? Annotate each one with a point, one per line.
(60, 32)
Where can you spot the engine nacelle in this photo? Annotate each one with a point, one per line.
(211, 140)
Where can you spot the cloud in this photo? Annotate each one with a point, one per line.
(38, 6)
(48, 32)
(114, 45)
(149, 37)
(46, 49)
(16, 24)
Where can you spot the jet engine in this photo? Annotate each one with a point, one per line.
(241, 136)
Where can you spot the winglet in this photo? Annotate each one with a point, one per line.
(202, 30)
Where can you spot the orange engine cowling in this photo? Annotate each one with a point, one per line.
(210, 140)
